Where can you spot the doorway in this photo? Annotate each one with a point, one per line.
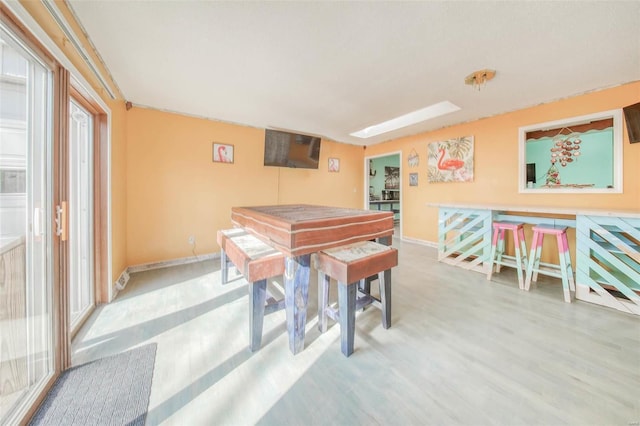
(383, 185)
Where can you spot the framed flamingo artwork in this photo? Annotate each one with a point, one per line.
(451, 160)
(222, 153)
(334, 164)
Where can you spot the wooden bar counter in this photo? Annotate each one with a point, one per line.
(607, 245)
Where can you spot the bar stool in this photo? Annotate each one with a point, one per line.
(350, 266)
(564, 270)
(519, 261)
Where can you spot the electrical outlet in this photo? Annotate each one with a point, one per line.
(192, 239)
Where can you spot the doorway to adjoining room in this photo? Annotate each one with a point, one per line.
(383, 185)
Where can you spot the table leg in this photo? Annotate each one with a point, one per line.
(385, 240)
(296, 289)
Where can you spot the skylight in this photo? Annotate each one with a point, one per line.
(427, 113)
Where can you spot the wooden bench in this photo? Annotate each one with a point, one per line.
(256, 261)
(350, 266)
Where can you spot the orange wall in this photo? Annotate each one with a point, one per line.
(174, 190)
(118, 188)
(496, 163)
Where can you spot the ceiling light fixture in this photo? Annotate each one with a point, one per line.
(432, 111)
(478, 79)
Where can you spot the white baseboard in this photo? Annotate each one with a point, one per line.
(120, 283)
(420, 242)
(123, 279)
(172, 262)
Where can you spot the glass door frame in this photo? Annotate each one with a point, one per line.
(101, 291)
(39, 40)
(45, 220)
(80, 216)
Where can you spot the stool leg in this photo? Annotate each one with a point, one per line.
(323, 300)
(364, 287)
(572, 283)
(532, 261)
(224, 267)
(500, 250)
(523, 249)
(257, 298)
(492, 256)
(562, 249)
(516, 241)
(365, 284)
(347, 307)
(538, 255)
(384, 281)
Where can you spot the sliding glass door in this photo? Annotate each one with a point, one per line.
(81, 281)
(26, 274)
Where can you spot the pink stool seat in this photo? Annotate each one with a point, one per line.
(519, 261)
(564, 270)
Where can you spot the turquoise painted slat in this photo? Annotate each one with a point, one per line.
(468, 243)
(583, 279)
(607, 221)
(450, 220)
(584, 275)
(629, 226)
(453, 220)
(626, 279)
(617, 242)
(469, 226)
(474, 251)
(455, 235)
(613, 281)
(464, 236)
(443, 216)
(476, 262)
(467, 238)
(611, 233)
(611, 261)
(486, 232)
(536, 220)
(595, 238)
(635, 247)
(629, 261)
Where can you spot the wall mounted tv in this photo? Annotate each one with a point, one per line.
(284, 149)
(632, 117)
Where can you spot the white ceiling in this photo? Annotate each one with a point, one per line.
(331, 68)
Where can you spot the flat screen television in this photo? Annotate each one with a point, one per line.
(632, 117)
(284, 149)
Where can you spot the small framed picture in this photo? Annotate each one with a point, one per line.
(222, 153)
(413, 179)
(334, 164)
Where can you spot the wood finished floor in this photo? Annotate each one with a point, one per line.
(461, 350)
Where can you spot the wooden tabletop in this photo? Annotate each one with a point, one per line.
(298, 229)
